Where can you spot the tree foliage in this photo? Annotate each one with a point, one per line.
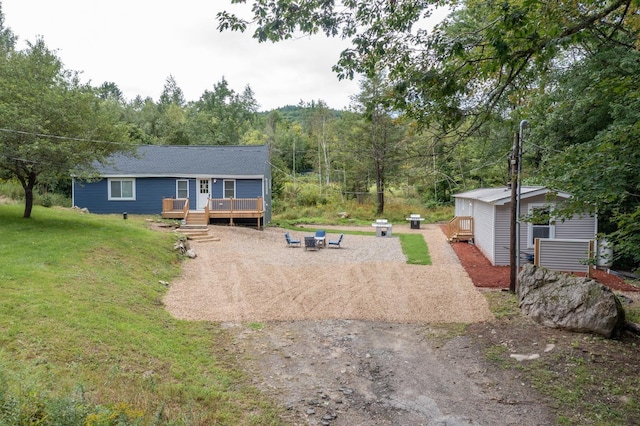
(51, 123)
(570, 68)
(588, 141)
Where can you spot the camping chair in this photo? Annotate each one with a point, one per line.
(291, 242)
(321, 238)
(336, 243)
(310, 243)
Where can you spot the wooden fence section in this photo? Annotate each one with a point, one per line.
(460, 228)
(564, 255)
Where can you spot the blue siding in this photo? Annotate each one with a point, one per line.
(217, 188)
(149, 195)
(245, 188)
(248, 188)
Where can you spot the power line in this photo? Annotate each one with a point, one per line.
(44, 135)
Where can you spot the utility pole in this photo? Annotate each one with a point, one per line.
(516, 191)
(513, 263)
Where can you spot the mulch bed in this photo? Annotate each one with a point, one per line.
(483, 274)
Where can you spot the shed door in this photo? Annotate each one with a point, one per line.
(204, 193)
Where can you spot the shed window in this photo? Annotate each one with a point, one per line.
(541, 223)
(182, 188)
(229, 189)
(122, 189)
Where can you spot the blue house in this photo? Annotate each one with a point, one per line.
(200, 184)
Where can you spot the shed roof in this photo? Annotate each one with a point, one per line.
(189, 160)
(502, 195)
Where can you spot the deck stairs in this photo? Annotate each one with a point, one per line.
(460, 228)
(196, 227)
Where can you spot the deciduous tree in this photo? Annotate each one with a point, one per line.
(50, 123)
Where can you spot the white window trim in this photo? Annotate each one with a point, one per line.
(133, 189)
(552, 222)
(177, 191)
(224, 188)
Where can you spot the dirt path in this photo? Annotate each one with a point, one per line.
(352, 336)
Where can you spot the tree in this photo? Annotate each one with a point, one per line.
(110, 90)
(483, 53)
(221, 116)
(383, 137)
(486, 63)
(7, 38)
(171, 93)
(51, 123)
(587, 140)
(320, 121)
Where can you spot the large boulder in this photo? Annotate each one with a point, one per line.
(564, 301)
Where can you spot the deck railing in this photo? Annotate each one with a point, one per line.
(175, 207)
(235, 204)
(216, 208)
(460, 228)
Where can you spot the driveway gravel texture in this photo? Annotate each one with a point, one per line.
(353, 336)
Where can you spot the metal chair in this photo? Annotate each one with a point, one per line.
(291, 242)
(336, 243)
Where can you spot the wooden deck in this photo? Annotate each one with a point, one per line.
(216, 208)
(460, 228)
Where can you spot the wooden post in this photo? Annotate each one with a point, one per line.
(591, 257)
(513, 262)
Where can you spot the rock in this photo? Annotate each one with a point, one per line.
(560, 300)
(521, 358)
(191, 253)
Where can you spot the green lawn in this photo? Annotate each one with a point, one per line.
(85, 339)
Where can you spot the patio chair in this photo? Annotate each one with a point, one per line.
(310, 243)
(336, 243)
(321, 238)
(291, 242)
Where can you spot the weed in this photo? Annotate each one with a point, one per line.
(502, 304)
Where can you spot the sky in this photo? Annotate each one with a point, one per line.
(138, 44)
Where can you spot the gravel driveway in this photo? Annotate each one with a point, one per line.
(350, 336)
(251, 275)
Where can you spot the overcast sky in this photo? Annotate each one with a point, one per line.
(137, 44)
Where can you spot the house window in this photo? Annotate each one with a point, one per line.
(122, 189)
(541, 223)
(229, 189)
(182, 188)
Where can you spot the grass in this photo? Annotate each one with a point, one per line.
(84, 336)
(415, 248)
(502, 304)
(589, 380)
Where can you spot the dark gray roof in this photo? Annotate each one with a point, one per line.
(190, 160)
(502, 195)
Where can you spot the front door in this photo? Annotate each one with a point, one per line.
(203, 193)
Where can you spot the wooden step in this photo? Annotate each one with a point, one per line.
(197, 233)
(197, 218)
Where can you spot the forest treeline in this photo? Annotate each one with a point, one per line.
(437, 112)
